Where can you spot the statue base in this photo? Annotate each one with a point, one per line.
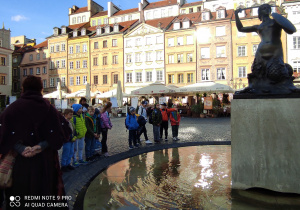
(265, 144)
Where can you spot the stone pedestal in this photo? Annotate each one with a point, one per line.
(266, 144)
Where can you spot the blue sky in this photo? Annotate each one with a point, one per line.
(37, 18)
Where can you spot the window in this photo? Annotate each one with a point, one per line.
(38, 70)
(84, 64)
(138, 57)
(171, 78)
(163, 13)
(159, 75)
(296, 42)
(159, 39)
(78, 80)
(128, 58)
(220, 31)
(182, 11)
(75, 33)
(148, 15)
(176, 25)
(149, 76)
(159, 55)
(198, 9)
(83, 19)
(77, 64)
(71, 81)
(189, 57)
(115, 59)
(51, 82)
(128, 77)
(242, 71)
(105, 20)
(186, 24)
(96, 80)
(148, 56)
(191, 10)
(123, 19)
(44, 55)
(44, 70)
(129, 17)
(95, 63)
(78, 19)
(71, 50)
(104, 79)
(156, 14)
(179, 40)
(24, 72)
(171, 42)
(221, 14)
(171, 59)
(116, 28)
(99, 31)
(63, 30)
(57, 48)
(138, 76)
(71, 65)
(0, 43)
(74, 20)
(189, 40)
(2, 80)
(77, 48)
(116, 20)
(31, 71)
(128, 43)
(180, 78)
(3, 61)
(114, 43)
(190, 78)
(84, 48)
(44, 83)
(107, 29)
(85, 80)
(220, 51)
(180, 58)
(105, 44)
(15, 60)
(30, 58)
(148, 40)
(51, 48)
(255, 46)
(221, 74)
(93, 22)
(63, 47)
(105, 60)
(38, 56)
(138, 42)
(170, 11)
(99, 22)
(63, 82)
(241, 50)
(205, 16)
(57, 64)
(296, 66)
(63, 63)
(57, 81)
(241, 34)
(52, 65)
(205, 74)
(116, 78)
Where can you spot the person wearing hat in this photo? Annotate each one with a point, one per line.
(143, 112)
(132, 125)
(165, 112)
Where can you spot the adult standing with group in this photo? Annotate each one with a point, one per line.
(143, 112)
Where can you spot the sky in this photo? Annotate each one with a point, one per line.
(37, 18)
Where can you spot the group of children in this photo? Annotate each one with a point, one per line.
(158, 117)
(86, 128)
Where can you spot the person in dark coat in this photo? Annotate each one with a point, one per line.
(35, 130)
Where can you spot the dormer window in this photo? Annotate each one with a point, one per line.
(221, 13)
(99, 31)
(75, 33)
(254, 11)
(177, 25)
(182, 11)
(116, 28)
(83, 32)
(186, 24)
(63, 30)
(55, 31)
(205, 16)
(107, 29)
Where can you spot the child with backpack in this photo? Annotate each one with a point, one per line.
(132, 125)
(175, 120)
(80, 128)
(165, 112)
(156, 119)
(91, 133)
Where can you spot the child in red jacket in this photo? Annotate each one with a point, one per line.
(175, 120)
(165, 112)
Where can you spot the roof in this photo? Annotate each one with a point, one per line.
(43, 44)
(23, 48)
(82, 9)
(164, 22)
(160, 4)
(77, 26)
(6, 49)
(192, 17)
(228, 15)
(192, 4)
(122, 12)
(98, 14)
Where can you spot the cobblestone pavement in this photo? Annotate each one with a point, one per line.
(192, 131)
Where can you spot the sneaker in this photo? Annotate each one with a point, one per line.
(137, 145)
(148, 141)
(76, 164)
(106, 154)
(65, 169)
(177, 138)
(70, 167)
(131, 147)
(166, 139)
(83, 162)
(174, 139)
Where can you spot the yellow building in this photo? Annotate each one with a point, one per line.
(99, 18)
(244, 46)
(180, 50)
(106, 46)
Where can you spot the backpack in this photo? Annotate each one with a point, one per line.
(141, 120)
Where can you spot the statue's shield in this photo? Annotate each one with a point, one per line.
(287, 26)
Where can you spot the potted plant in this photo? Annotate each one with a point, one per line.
(197, 109)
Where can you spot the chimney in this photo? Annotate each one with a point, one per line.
(141, 9)
(159, 25)
(89, 3)
(71, 11)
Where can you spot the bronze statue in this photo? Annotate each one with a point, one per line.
(270, 75)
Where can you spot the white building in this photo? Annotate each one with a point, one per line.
(144, 61)
(293, 41)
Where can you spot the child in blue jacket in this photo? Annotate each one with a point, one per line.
(132, 125)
